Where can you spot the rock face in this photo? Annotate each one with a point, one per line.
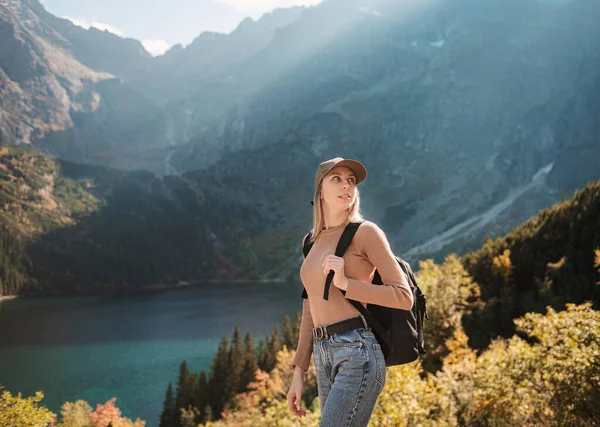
(63, 107)
(470, 116)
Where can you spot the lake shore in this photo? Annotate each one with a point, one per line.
(156, 287)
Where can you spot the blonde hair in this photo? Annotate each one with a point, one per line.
(319, 219)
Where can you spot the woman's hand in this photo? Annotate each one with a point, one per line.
(294, 395)
(336, 263)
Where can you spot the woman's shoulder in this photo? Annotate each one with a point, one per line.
(370, 230)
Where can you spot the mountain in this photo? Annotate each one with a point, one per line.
(99, 50)
(54, 101)
(90, 96)
(470, 116)
(181, 71)
(71, 229)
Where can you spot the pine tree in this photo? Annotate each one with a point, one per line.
(201, 397)
(273, 346)
(218, 377)
(13, 262)
(250, 362)
(167, 418)
(191, 389)
(287, 332)
(181, 396)
(276, 345)
(297, 324)
(236, 356)
(263, 357)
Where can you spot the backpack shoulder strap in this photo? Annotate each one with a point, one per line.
(306, 246)
(340, 250)
(342, 246)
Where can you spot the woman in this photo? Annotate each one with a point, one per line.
(349, 362)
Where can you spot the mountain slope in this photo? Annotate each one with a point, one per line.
(62, 107)
(72, 228)
(548, 260)
(470, 116)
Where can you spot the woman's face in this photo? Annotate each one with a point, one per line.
(338, 189)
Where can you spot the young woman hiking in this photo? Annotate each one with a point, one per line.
(349, 362)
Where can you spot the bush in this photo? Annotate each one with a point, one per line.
(23, 412)
(550, 379)
(450, 294)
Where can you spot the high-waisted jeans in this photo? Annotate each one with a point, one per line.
(350, 376)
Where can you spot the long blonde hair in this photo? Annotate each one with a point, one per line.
(319, 219)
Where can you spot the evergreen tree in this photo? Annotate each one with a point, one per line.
(250, 362)
(236, 356)
(218, 377)
(182, 397)
(201, 397)
(270, 354)
(262, 354)
(297, 324)
(167, 418)
(191, 390)
(287, 333)
(13, 262)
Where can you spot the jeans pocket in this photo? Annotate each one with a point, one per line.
(379, 364)
(349, 338)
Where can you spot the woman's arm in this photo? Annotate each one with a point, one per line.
(395, 291)
(305, 340)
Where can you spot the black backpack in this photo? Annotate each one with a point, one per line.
(399, 332)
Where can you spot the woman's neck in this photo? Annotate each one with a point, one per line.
(334, 219)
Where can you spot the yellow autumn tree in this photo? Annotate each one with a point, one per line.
(502, 266)
(411, 400)
(450, 294)
(23, 412)
(75, 414)
(551, 379)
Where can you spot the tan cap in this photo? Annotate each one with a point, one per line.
(357, 167)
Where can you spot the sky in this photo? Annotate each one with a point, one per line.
(159, 24)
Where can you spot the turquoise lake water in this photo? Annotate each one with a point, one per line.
(95, 348)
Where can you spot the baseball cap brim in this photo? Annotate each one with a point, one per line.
(355, 166)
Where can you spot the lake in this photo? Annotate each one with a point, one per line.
(95, 348)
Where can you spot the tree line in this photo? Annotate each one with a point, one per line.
(202, 397)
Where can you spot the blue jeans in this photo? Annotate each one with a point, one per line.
(350, 376)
